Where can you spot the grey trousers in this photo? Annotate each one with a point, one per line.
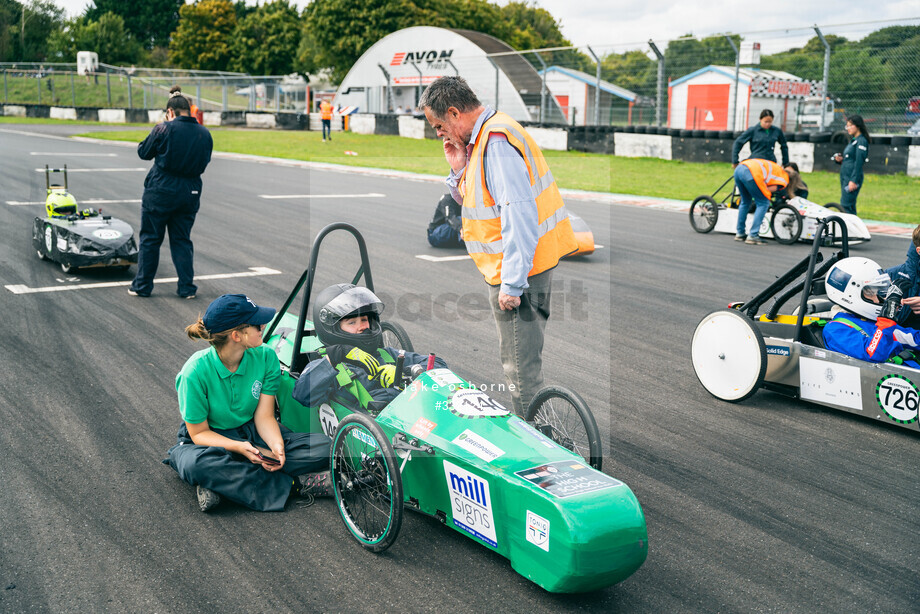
(520, 339)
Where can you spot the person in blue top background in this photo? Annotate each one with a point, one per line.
(862, 329)
(851, 163)
(763, 138)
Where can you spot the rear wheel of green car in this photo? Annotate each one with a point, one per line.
(366, 482)
(563, 416)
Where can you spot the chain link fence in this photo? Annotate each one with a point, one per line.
(60, 84)
(811, 78)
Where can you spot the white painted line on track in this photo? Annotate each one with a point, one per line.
(441, 258)
(296, 196)
(72, 155)
(431, 258)
(89, 201)
(252, 272)
(98, 170)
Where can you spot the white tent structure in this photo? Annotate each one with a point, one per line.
(397, 68)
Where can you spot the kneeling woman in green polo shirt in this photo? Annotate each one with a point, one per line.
(230, 445)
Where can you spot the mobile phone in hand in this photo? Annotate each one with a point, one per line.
(267, 459)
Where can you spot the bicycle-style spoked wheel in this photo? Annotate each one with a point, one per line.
(366, 481)
(395, 336)
(563, 416)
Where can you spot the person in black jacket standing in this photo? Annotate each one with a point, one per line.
(181, 148)
(851, 163)
(763, 139)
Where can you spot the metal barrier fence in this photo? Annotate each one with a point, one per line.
(807, 76)
(60, 84)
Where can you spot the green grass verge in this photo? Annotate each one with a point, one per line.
(883, 197)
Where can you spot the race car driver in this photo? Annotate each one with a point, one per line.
(354, 368)
(865, 327)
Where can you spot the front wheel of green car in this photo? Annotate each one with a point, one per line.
(366, 482)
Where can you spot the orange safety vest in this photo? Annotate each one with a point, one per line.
(766, 173)
(482, 225)
(325, 110)
(196, 113)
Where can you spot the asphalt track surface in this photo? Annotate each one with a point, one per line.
(771, 505)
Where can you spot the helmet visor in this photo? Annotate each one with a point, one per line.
(874, 290)
(354, 301)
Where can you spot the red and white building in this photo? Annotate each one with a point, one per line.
(703, 100)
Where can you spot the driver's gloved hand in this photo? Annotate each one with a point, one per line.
(905, 338)
(353, 356)
(386, 375)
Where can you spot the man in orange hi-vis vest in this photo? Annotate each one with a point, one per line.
(325, 114)
(756, 180)
(515, 226)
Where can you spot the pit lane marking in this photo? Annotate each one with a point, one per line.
(88, 201)
(252, 272)
(431, 258)
(296, 196)
(441, 258)
(99, 170)
(73, 155)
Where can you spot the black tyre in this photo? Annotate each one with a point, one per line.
(366, 482)
(704, 213)
(834, 207)
(563, 416)
(786, 224)
(395, 336)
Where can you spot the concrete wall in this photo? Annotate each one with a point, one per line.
(550, 138)
(643, 145)
(411, 127)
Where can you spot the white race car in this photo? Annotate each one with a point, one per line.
(787, 221)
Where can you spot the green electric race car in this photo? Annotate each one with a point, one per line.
(531, 490)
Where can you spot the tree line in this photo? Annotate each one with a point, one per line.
(270, 38)
(275, 38)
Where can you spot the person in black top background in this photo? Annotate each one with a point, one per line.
(763, 138)
(181, 148)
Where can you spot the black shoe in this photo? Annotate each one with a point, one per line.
(314, 484)
(135, 293)
(189, 297)
(740, 237)
(207, 498)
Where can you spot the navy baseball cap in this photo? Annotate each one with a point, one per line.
(232, 310)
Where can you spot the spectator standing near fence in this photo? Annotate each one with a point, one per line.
(181, 150)
(851, 163)
(515, 225)
(763, 139)
(325, 114)
(194, 110)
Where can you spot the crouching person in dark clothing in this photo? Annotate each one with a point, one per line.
(230, 445)
(354, 368)
(444, 228)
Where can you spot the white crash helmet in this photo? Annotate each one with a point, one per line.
(853, 282)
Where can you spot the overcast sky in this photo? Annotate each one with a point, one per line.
(609, 25)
